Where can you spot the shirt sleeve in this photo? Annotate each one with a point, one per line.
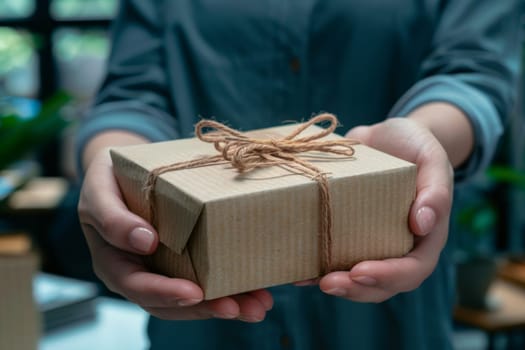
(134, 95)
(474, 65)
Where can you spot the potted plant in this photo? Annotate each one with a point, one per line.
(477, 218)
(22, 135)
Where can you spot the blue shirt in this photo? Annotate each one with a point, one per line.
(255, 64)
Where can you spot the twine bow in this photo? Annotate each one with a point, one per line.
(247, 153)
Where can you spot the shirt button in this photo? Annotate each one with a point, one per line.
(295, 65)
(285, 341)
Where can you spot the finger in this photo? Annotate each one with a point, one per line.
(250, 308)
(264, 297)
(434, 193)
(434, 185)
(376, 281)
(126, 275)
(360, 133)
(225, 308)
(435, 174)
(340, 284)
(103, 208)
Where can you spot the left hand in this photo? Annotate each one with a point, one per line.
(376, 281)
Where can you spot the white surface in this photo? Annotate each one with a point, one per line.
(52, 289)
(119, 325)
(470, 339)
(122, 325)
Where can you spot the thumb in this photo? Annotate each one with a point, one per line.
(360, 133)
(102, 209)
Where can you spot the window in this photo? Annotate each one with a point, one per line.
(86, 48)
(42, 45)
(40, 40)
(16, 8)
(18, 63)
(82, 9)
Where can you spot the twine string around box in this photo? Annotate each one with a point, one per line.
(246, 153)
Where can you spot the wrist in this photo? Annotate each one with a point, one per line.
(101, 143)
(450, 126)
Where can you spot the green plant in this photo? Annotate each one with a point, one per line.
(480, 213)
(479, 220)
(507, 175)
(19, 136)
(73, 43)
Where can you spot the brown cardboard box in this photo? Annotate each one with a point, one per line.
(19, 318)
(232, 232)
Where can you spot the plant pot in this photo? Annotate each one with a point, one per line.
(474, 277)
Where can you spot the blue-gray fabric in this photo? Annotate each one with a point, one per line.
(255, 64)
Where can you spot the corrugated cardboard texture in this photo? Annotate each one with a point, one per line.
(234, 232)
(19, 318)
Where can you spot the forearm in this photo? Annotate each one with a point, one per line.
(108, 139)
(450, 126)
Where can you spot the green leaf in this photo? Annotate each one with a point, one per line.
(484, 221)
(507, 175)
(8, 123)
(21, 136)
(478, 219)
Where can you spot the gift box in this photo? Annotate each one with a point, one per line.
(233, 231)
(20, 324)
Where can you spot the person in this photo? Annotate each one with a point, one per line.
(428, 81)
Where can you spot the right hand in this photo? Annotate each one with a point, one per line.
(117, 240)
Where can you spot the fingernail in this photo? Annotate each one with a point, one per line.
(187, 302)
(305, 283)
(225, 316)
(365, 280)
(426, 219)
(336, 291)
(251, 319)
(141, 239)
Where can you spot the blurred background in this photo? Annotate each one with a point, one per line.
(52, 59)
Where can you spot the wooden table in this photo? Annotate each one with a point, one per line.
(513, 271)
(507, 318)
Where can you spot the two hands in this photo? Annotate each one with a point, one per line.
(117, 238)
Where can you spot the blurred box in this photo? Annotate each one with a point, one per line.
(20, 323)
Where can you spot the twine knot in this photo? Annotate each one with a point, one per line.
(246, 153)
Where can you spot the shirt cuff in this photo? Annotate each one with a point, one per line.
(477, 107)
(131, 120)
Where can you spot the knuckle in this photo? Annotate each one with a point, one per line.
(137, 298)
(99, 272)
(147, 295)
(109, 223)
(137, 293)
(443, 193)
